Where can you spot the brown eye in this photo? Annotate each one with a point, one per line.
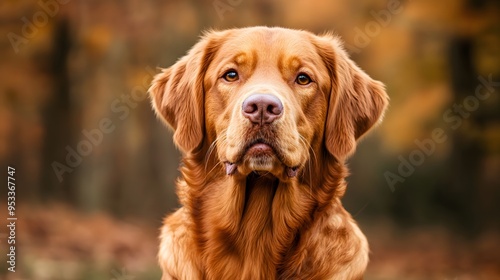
(303, 79)
(231, 76)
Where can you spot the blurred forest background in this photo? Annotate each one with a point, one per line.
(95, 169)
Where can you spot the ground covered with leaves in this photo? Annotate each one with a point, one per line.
(58, 243)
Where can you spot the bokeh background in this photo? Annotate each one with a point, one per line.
(95, 169)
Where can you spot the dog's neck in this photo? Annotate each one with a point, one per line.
(252, 222)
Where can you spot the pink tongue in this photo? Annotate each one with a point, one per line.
(230, 168)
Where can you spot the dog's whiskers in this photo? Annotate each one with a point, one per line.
(212, 148)
(211, 170)
(221, 138)
(309, 147)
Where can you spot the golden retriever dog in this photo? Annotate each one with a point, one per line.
(265, 119)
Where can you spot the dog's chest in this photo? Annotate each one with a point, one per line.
(260, 247)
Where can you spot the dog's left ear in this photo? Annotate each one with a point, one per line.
(357, 102)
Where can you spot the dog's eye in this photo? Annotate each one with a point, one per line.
(231, 76)
(303, 79)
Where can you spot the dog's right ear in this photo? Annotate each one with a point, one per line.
(177, 93)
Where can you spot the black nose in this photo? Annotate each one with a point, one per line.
(262, 108)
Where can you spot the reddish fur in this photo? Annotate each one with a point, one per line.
(249, 226)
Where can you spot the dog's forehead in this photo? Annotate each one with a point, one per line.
(269, 45)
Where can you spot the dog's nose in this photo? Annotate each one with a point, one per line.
(262, 108)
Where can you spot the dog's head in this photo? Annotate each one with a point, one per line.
(268, 99)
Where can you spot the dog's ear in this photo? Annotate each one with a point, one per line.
(177, 93)
(357, 102)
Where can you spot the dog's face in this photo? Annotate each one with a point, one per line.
(267, 99)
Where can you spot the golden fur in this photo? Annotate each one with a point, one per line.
(273, 217)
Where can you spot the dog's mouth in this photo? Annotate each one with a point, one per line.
(259, 148)
(260, 156)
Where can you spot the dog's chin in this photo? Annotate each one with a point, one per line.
(261, 159)
(263, 165)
